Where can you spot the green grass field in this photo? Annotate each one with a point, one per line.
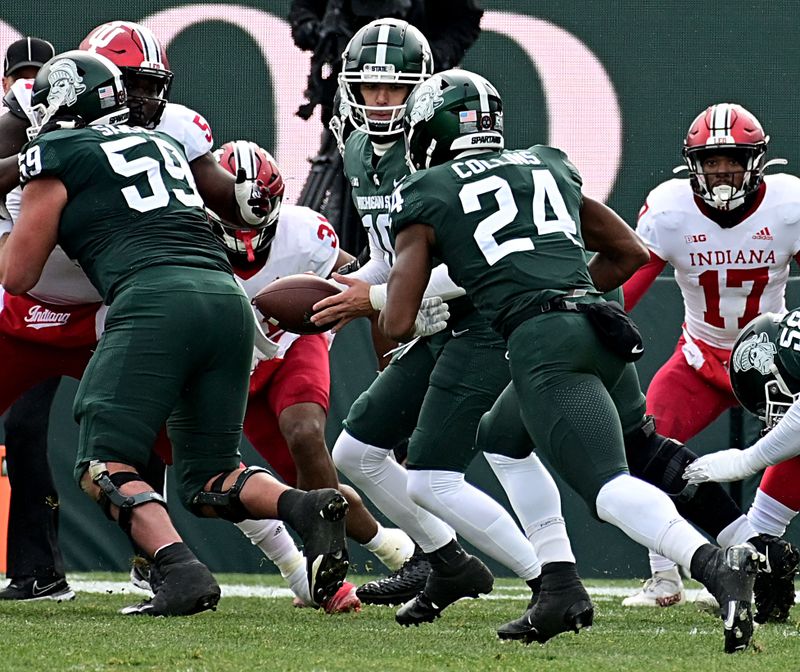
(250, 633)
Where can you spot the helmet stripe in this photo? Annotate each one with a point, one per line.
(721, 120)
(150, 46)
(480, 84)
(383, 39)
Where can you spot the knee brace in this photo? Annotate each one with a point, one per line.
(225, 503)
(110, 494)
(659, 460)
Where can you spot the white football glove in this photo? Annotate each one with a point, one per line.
(248, 198)
(432, 317)
(722, 467)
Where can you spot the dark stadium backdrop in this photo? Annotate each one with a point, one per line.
(613, 84)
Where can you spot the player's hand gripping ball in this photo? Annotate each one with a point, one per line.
(286, 303)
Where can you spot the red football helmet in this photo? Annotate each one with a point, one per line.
(259, 165)
(725, 128)
(145, 69)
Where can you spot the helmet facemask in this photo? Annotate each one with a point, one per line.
(247, 245)
(778, 400)
(385, 51)
(726, 197)
(147, 110)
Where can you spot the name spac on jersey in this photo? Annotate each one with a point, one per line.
(304, 241)
(726, 276)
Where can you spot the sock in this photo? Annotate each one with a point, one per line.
(476, 517)
(176, 552)
(534, 496)
(658, 563)
(535, 585)
(448, 559)
(738, 532)
(560, 575)
(392, 547)
(701, 563)
(648, 516)
(373, 471)
(290, 507)
(768, 516)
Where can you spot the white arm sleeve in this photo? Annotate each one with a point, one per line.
(781, 443)
(376, 270)
(440, 285)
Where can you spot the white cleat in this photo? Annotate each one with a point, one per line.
(663, 589)
(705, 601)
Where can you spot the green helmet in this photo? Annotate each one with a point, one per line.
(759, 378)
(79, 87)
(385, 51)
(453, 111)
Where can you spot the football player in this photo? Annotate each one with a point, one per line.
(765, 377)
(35, 565)
(67, 313)
(435, 390)
(513, 227)
(730, 233)
(179, 330)
(288, 402)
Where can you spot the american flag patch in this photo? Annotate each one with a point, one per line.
(467, 116)
(105, 92)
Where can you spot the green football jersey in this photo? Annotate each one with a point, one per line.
(373, 185)
(507, 225)
(132, 202)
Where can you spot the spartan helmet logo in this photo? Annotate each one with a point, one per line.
(426, 101)
(65, 83)
(755, 352)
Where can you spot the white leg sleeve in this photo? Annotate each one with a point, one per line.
(277, 544)
(649, 517)
(373, 471)
(476, 517)
(536, 502)
(768, 516)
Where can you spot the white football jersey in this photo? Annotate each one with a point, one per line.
(63, 281)
(188, 128)
(304, 241)
(726, 276)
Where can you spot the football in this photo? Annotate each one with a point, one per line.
(286, 303)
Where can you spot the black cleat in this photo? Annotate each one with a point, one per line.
(774, 591)
(187, 586)
(563, 605)
(729, 576)
(144, 574)
(401, 585)
(31, 589)
(471, 580)
(324, 544)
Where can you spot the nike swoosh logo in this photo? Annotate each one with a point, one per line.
(396, 182)
(637, 350)
(456, 334)
(36, 589)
